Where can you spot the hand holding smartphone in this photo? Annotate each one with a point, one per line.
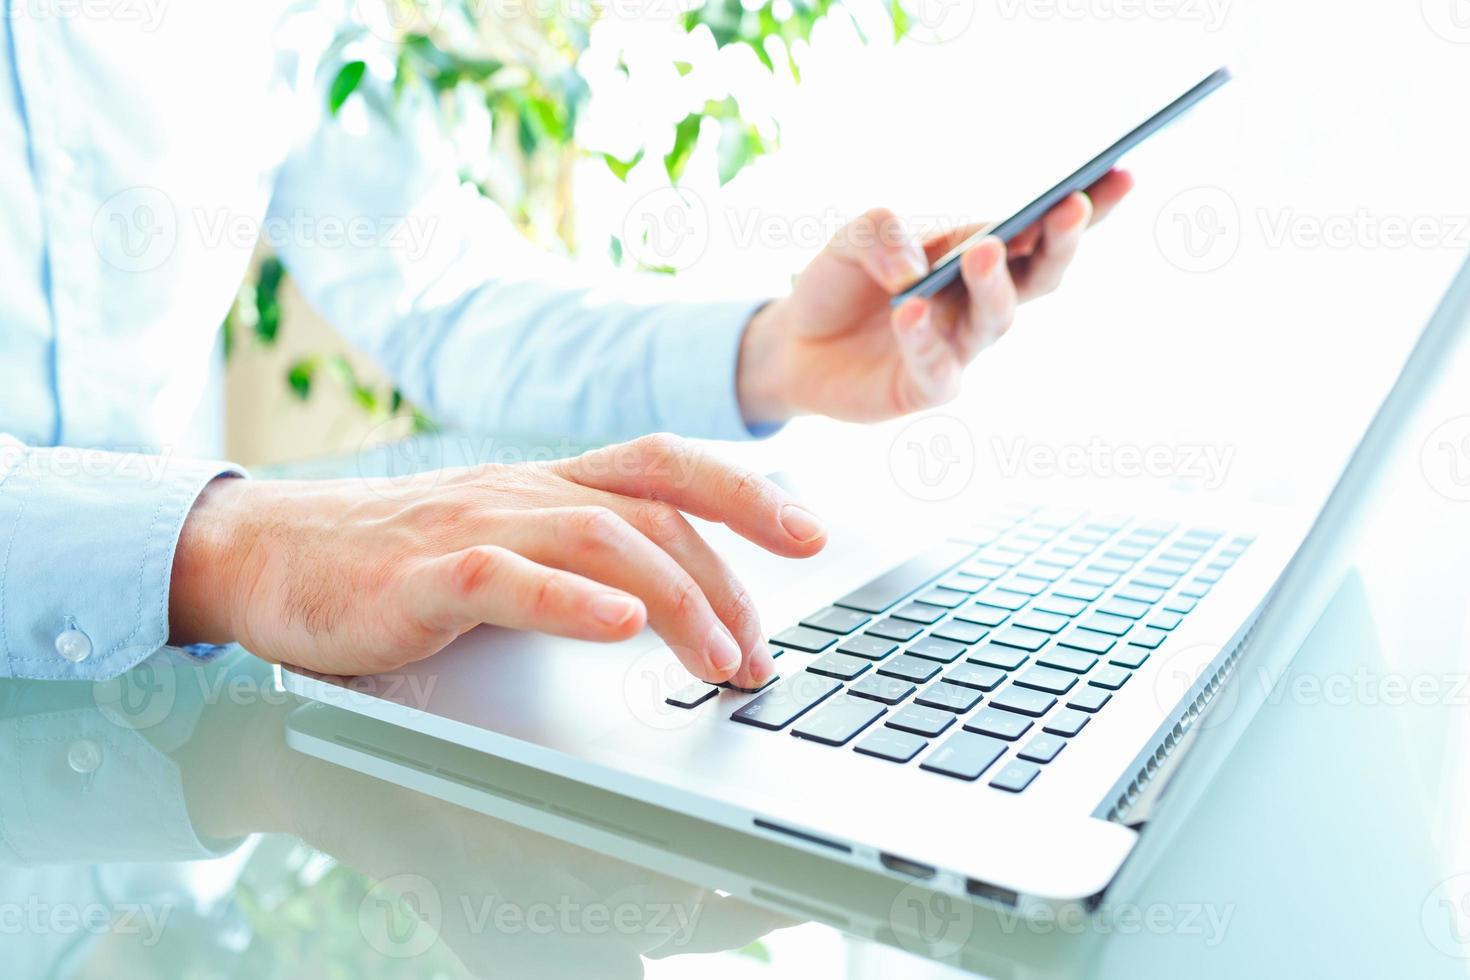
(946, 269)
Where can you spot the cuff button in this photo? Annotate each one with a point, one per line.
(72, 644)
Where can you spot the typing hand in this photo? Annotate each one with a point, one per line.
(834, 347)
(361, 576)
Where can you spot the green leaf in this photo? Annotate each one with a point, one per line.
(740, 143)
(345, 84)
(686, 135)
(267, 300)
(620, 168)
(615, 249)
(299, 376)
(757, 44)
(900, 17)
(682, 67)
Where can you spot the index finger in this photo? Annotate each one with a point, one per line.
(665, 467)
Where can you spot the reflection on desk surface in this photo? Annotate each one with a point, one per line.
(185, 820)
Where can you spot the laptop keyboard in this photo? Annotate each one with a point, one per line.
(1004, 641)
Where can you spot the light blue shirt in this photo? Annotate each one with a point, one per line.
(145, 147)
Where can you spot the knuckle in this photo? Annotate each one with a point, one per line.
(662, 523)
(686, 599)
(598, 525)
(660, 445)
(550, 590)
(746, 489)
(477, 569)
(741, 613)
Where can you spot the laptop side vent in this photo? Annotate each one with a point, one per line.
(1203, 692)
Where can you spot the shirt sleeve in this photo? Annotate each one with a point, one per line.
(87, 543)
(475, 324)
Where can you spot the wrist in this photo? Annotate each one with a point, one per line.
(760, 381)
(206, 566)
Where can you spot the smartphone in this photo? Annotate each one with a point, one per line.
(947, 268)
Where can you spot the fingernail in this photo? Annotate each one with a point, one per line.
(723, 651)
(614, 609)
(801, 524)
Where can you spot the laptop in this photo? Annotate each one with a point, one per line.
(1000, 715)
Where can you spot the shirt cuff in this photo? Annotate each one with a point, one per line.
(696, 354)
(87, 543)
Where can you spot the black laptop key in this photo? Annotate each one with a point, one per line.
(1181, 604)
(1111, 625)
(1110, 677)
(867, 647)
(1166, 621)
(1089, 699)
(1073, 589)
(919, 612)
(895, 629)
(1127, 608)
(1196, 589)
(982, 614)
(692, 695)
(891, 744)
(1148, 638)
(960, 632)
(1006, 599)
(1047, 679)
(933, 648)
(1155, 580)
(909, 668)
(887, 589)
(1081, 639)
(948, 697)
(803, 638)
(1042, 748)
(978, 676)
(1023, 702)
(1065, 658)
(964, 755)
(1140, 593)
(1021, 638)
(948, 598)
(1067, 722)
(1060, 605)
(1129, 656)
(787, 701)
(838, 720)
(842, 666)
(960, 582)
(888, 690)
(1046, 622)
(1015, 776)
(1006, 658)
(919, 720)
(983, 569)
(1022, 584)
(999, 724)
(835, 620)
